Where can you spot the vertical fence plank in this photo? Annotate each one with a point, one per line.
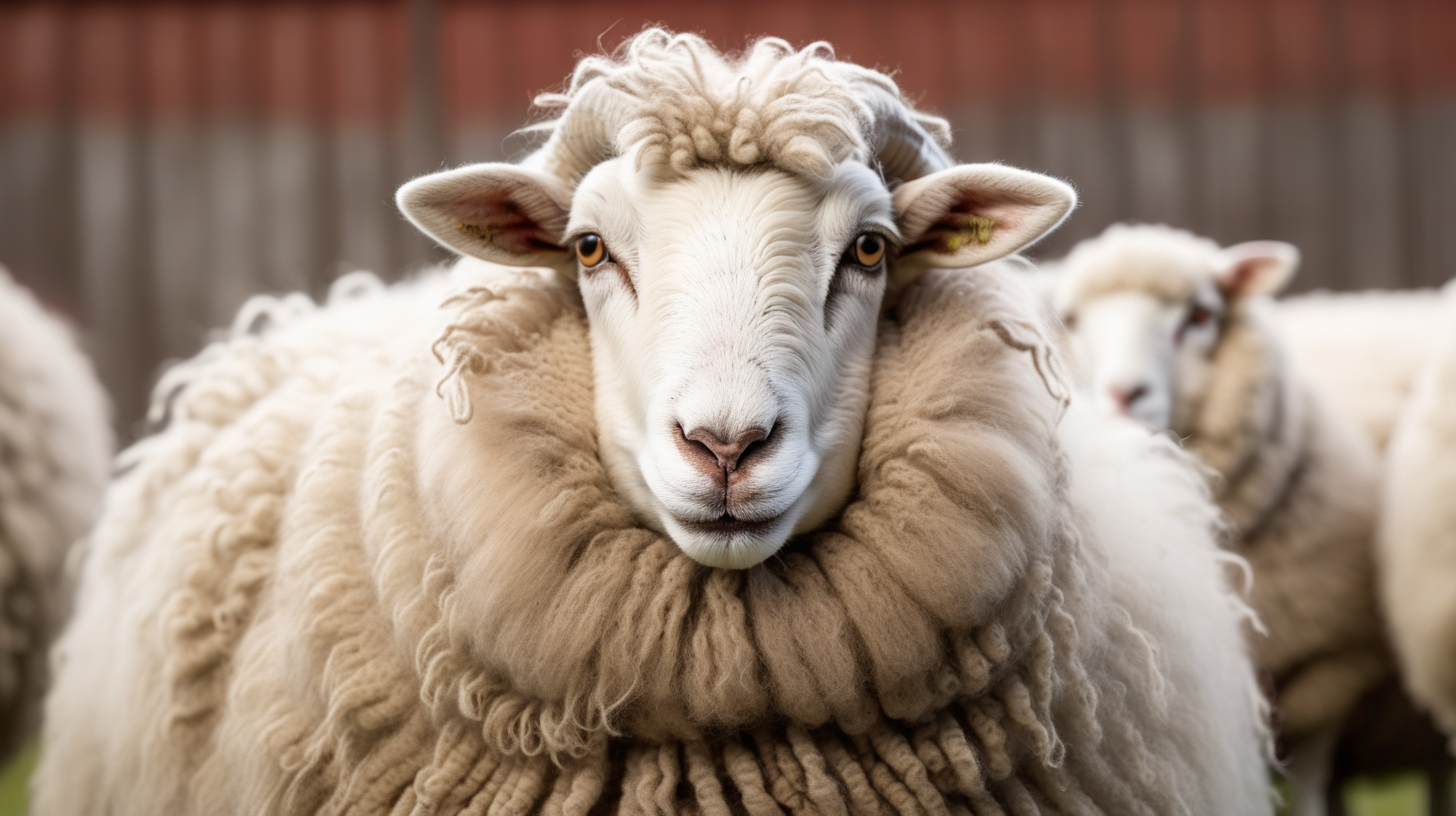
(234, 267)
(1367, 230)
(1231, 129)
(1431, 85)
(37, 182)
(1144, 38)
(360, 101)
(176, 203)
(109, 226)
(1303, 179)
(299, 232)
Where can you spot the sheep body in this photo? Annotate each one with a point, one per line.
(55, 450)
(352, 602)
(1363, 350)
(1417, 542)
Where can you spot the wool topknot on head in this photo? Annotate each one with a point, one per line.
(677, 101)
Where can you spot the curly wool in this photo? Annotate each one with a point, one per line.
(354, 603)
(678, 102)
(55, 452)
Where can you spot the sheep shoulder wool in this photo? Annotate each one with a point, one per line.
(353, 576)
(1300, 482)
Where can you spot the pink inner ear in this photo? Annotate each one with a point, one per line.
(497, 217)
(1236, 282)
(974, 220)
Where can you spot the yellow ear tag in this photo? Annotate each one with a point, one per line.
(485, 234)
(978, 229)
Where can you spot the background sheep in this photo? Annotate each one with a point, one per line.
(1418, 531)
(326, 591)
(55, 451)
(1171, 330)
(1363, 350)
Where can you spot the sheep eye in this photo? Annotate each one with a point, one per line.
(869, 249)
(590, 250)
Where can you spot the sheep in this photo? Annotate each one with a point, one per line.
(1417, 533)
(1362, 349)
(1171, 330)
(746, 494)
(55, 452)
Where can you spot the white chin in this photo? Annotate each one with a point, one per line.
(734, 545)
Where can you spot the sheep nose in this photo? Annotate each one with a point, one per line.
(1125, 397)
(711, 455)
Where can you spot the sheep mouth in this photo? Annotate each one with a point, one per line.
(727, 525)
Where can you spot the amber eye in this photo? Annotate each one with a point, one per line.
(1199, 315)
(869, 248)
(590, 250)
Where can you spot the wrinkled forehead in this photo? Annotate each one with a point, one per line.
(656, 203)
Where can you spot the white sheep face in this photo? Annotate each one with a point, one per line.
(1146, 308)
(732, 325)
(733, 315)
(1145, 357)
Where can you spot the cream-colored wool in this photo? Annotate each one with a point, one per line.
(1417, 544)
(1299, 480)
(317, 593)
(677, 101)
(1300, 483)
(55, 452)
(1363, 350)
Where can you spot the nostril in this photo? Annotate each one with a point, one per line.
(727, 452)
(697, 454)
(1125, 397)
(710, 453)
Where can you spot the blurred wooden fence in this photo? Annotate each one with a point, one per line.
(160, 161)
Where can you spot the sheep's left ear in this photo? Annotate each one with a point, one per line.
(974, 213)
(1257, 268)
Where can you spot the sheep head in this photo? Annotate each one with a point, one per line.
(733, 284)
(1147, 306)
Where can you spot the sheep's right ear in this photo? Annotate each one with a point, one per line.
(497, 212)
(1257, 268)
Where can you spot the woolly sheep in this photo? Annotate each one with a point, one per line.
(321, 590)
(1171, 330)
(55, 451)
(1362, 349)
(1417, 541)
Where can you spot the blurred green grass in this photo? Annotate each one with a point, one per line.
(1401, 794)
(13, 793)
(1394, 795)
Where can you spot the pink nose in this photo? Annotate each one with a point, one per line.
(1125, 397)
(714, 457)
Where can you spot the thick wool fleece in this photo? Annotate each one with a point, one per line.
(1363, 350)
(1301, 485)
(1418, 533)
(55, 454)
(316, 593)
